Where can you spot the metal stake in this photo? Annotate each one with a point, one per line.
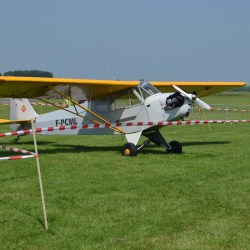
(39, 176)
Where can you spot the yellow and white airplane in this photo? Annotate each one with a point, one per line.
(107, 103)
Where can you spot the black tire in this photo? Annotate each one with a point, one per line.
(176, 147)
(129, 149)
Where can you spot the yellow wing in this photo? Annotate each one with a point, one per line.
(31, 87)
(202, 88)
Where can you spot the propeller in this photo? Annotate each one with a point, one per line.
(193, 98)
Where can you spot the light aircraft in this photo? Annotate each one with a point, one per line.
(109, 102)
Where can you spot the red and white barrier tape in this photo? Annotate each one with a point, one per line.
(18, 157)
(230, 109)
(122, 124)
(45, 104)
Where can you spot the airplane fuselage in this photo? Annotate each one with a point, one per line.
(153, 109)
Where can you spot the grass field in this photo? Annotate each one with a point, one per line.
(229, 98)
(98, 199)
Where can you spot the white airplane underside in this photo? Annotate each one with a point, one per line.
(143, 103)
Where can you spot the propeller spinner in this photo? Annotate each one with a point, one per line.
(193, 98)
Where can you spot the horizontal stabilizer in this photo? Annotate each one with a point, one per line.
(5, 121)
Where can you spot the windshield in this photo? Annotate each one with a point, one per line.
(150, 89)
(144, 90)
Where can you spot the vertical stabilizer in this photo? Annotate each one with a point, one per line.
(21, 109)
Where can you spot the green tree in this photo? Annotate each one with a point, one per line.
(243, 89)
(29, 73)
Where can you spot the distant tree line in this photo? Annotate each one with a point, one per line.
(243, 89)
(29, 73)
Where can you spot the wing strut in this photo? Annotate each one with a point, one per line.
(86, 109)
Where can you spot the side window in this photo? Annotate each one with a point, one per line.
(121, 100)
(102, 105)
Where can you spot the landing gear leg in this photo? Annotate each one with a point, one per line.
(16, 140)
(157, 138)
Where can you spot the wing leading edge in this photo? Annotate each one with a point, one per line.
(202, 88)
(32, 87)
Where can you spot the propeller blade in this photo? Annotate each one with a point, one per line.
(202, 104)
(181, 91)
(189, 96)
(193, 98)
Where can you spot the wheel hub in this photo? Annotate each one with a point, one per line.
(127, 152)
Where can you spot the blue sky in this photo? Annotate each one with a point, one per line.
(189, 40)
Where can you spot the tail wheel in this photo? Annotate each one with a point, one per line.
(129, 149)
(176, 147)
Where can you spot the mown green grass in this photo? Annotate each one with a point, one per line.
(231, 98)
(98, 199)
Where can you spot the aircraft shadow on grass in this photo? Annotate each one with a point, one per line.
(200, 143)
(69, 148)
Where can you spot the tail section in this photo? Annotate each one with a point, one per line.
(21, 109)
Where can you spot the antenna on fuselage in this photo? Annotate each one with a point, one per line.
(112, 75)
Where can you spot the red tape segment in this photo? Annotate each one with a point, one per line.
(18, 157)
(122, 124)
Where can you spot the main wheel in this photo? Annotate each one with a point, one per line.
(176, 147)
(129, 149)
